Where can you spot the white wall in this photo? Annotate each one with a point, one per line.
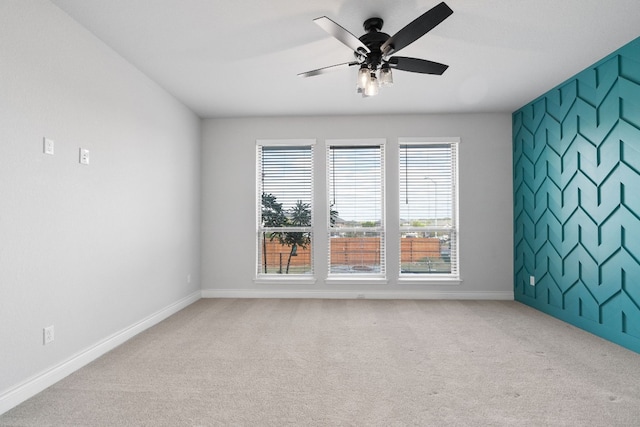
(91, 249)
(228, 202)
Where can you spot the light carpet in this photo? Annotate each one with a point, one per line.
(273, 362)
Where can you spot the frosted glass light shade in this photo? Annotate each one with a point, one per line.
(372, 86)
(363, 78)
(386, 78)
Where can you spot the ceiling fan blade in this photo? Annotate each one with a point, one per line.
(416, 65)
(328, 69)
(416, 29)
(341, 34)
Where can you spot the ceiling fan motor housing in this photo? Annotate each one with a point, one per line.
(373, 39)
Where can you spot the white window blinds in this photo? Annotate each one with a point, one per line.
(287, 174)
(355, 180)
(428, 208)
(285, 208)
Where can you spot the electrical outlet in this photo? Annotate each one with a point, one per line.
(532, 280)
(188, 278)
(48, 146)
(84, 156)
(48, 335)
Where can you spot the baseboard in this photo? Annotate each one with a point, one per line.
(39, 382)
(355, 294)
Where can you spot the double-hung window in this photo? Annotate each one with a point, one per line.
(355, 184)
(428, 208)
(284, 208)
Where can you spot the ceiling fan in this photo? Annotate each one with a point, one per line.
(372, 50)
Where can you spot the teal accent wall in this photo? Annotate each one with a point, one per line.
(576, 157)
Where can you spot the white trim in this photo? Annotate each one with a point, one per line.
(356, 142)
(285, 142)
(284, 279)
(356, 279)
(429, 140)
(47, 378)
(426, 279)
(358, 294)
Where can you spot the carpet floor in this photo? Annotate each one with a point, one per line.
(273, 362)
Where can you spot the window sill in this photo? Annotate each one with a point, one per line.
(422, 280)
(344, 280)
(285, 280)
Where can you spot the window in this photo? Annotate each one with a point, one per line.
(428, 208)
(355, 183)
(425, 231)
(284, 208)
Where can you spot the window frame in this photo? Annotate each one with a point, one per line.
(377, 277)
(304, 278)
(454, 276)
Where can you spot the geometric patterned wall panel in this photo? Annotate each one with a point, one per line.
(576, 171)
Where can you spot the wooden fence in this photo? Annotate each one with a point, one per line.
(414, 249)
(352, 251)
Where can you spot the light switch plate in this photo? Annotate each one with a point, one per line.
(48, 146)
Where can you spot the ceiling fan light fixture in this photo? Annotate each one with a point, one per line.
(372, 50)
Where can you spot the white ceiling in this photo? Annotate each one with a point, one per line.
(232, 58)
